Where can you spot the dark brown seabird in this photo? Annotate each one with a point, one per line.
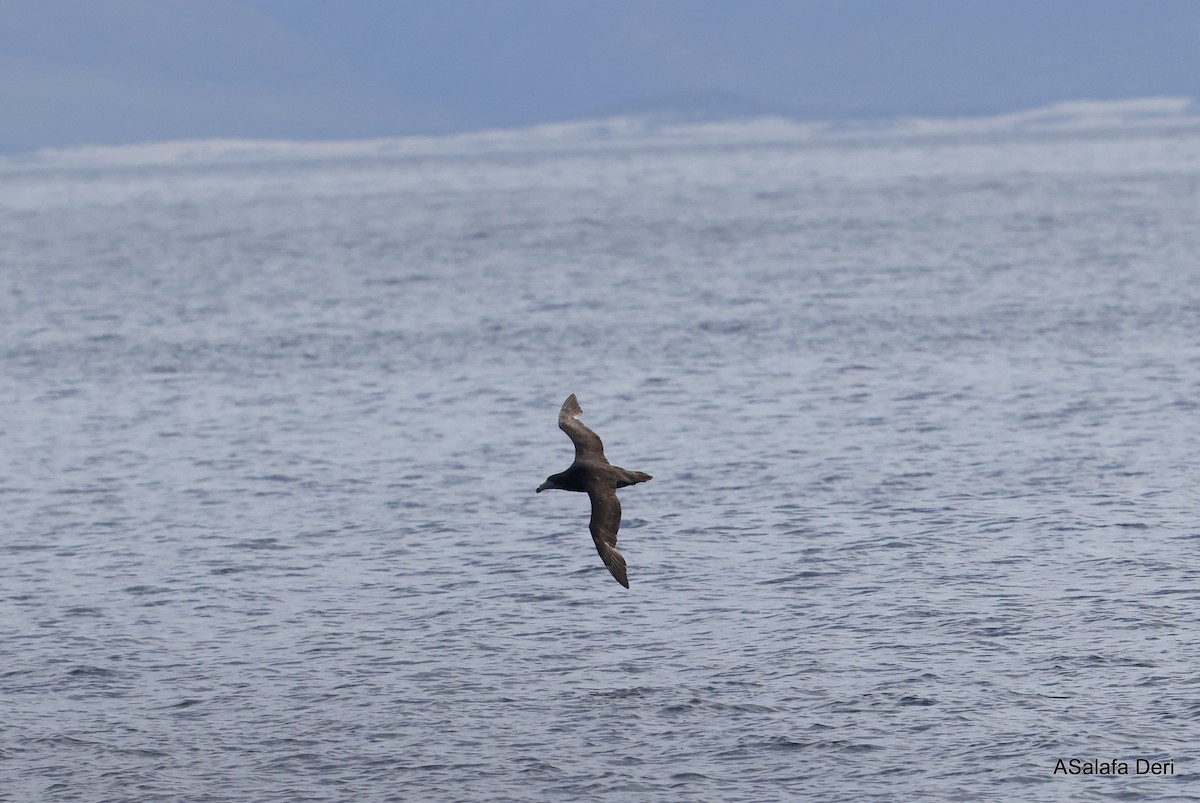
(593, 474)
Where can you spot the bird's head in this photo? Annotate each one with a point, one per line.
(547, 485)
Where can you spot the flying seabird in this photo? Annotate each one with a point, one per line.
(593, 474)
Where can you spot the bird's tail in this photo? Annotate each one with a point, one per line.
(633, 478)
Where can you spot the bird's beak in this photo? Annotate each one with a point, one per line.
(542, 487)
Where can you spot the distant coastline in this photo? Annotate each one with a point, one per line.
(1082, 116)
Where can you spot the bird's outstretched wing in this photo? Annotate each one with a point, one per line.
(606, 520)
(587, 443)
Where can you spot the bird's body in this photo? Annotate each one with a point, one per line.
(591, 473)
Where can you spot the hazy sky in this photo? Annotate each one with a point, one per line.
(115, 71)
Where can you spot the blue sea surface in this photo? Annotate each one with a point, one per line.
(921, 414)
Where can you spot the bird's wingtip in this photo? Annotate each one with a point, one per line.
(615, 562)
(571, 407)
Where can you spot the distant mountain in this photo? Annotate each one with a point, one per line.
(81, 71)
(693, 107)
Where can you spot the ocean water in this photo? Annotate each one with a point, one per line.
(921, 415)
